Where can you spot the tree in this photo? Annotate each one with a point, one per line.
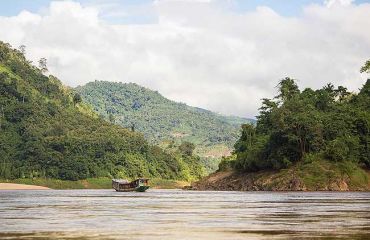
(247, 138)
(1, 115)
(341, 93)
(287, 89)
(324, 98)
(299, 129)
(4, 50)
(330, 89)
(187, 148)
(112, 119)
(366, 67)
(22, 49)
(43, 65)
(76, 98)
(264, 118)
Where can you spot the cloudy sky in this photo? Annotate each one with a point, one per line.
(222, 55)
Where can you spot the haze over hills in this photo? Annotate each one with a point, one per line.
(163, 121)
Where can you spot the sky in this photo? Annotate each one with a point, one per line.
(222, 55)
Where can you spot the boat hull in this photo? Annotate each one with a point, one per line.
(137, 189)
(142, 188)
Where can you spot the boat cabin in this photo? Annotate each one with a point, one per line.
(141, 182)
(123, 185)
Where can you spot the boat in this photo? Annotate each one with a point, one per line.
(123, 185)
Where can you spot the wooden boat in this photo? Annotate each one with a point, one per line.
(123, 185)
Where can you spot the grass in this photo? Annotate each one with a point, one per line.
(92, 183)
(167, 184)
(319, 174)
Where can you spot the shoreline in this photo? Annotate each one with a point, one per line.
(287, 180)
(17, 186)
(90, 183)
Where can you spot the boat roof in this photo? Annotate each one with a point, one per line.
(127, 181)
(120, 180)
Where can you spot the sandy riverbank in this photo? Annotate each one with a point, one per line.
(14, 186)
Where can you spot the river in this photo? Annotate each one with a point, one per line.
(177, 214)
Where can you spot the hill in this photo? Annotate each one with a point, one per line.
(303, 140)
(161, 120)
(46, 131)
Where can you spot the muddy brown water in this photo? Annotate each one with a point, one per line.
(177, 214)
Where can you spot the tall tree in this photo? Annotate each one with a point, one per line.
(22, 49)
(264, 118)
(287, 89)
(43, 65)
(342, 93)
(366, 67)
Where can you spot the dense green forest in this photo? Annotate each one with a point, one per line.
(161, 120)
(297, 126)
(47, 131)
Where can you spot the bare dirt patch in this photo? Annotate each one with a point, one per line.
(14, 186)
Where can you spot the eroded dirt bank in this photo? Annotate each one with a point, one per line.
(285, 180)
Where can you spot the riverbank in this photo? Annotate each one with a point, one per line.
(90, 183)
(15, 186)
(314, 176)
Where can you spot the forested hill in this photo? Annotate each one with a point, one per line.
(159, 118)
(46, 131)
(305, 140)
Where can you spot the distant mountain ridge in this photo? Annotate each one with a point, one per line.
(160, 119)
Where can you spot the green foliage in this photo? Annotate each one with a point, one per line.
(43, 65)
(288, 89)
(111, 118)
(317, 173)
(77, 98)
(187, 148)
(227, 163)
(295, 126)
(366, 67)
(160, 119)
(44, 134)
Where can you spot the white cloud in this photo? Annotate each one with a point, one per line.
(331, 3)
(198, 52)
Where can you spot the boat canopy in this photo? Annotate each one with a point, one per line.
(124, 181)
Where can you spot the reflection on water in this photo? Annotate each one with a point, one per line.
(177, 214)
